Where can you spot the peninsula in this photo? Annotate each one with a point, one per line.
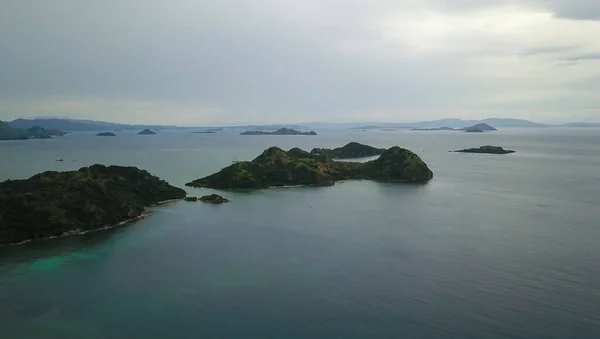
(54, 204)
(350, 151)
(8, 132)
(486, 149)
(276, 167)
(281, 131)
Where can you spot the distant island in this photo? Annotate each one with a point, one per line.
(53, 204)
(281, 131)
(7, 132)
(453, 123)
(106, 134)
(147, 132)
(75, 125)
(350, 151)
(204, 132)
(434, 129)
(276, 167)
(486, 149)
(481, 127)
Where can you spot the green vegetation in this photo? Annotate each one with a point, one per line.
(486, 149)
(57, 203)
(276, 167)
(7, 132)
(350, 151)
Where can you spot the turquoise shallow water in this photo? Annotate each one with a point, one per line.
(492, 247)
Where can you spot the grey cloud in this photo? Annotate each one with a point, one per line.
(549, 50)
(582, 57)
(246, 58)
(577, 9)
(567, 9)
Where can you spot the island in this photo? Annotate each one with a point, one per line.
(281, 131)
(147, 132)
(8, 132)
(486, 149)
(276, 167)
(434, 129)
(53, 204)
(106, 134)
(204, 132)
(214, 199)
(479, 128)
(350, 151)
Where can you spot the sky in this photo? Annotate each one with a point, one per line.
(196, 62)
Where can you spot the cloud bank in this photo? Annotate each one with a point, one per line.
(219, 62)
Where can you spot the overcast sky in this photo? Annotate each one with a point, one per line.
(193, 62)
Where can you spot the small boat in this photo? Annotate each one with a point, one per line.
(60, 159)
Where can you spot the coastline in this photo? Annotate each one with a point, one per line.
(74, 232)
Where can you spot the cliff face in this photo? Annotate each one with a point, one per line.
(276, 167)
(54, 203)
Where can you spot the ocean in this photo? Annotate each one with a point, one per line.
(495, 246)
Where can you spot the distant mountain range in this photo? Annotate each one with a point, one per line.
(455, 124)
(74, 125)
(71, 125)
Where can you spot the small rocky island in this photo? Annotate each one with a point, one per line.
(7, 132)
(276, 167)
(486, 149)
(214, 199)
(211, 199)
(479, 128)
(352, 150)
(147, 132)
(106, 134)
(53, 204)
(281, 131)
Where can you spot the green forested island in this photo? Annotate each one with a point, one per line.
(61, 203)
(486, 149)
(8, 132)
(276, 167)
(106, 134)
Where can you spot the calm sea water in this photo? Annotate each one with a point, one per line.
(492, 247)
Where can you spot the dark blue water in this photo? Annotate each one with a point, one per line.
(492, 247)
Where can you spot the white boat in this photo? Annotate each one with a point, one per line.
(60, 159)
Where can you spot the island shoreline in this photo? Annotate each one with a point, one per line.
(76, 232)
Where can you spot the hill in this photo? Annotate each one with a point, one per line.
(349, 151)
(59, 203)
(276, 167)
(7, 132)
